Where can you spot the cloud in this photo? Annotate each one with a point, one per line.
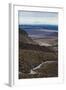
(25, 17)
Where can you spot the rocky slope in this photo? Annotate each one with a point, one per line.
(32, 55)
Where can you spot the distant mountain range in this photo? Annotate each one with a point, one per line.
(40, 31)
(32, 27)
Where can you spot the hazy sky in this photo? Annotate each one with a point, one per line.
(32, 17)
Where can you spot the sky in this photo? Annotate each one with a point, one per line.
(36, 17)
